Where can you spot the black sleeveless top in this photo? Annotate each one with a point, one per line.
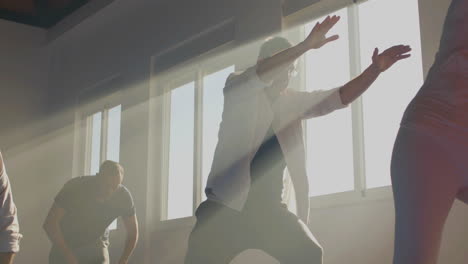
(441, 101)
(455, 31)
(266, 173)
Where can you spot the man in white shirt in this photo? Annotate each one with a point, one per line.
(9, 227)
(260, 135)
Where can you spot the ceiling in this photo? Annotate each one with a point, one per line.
(39, 13)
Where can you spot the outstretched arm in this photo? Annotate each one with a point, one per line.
(270, 67)
(380, 63)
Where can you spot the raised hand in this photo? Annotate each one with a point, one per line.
(317, 37)
(386, 59)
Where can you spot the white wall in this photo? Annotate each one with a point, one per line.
(120, 40)
(24, 67)
(23, 72)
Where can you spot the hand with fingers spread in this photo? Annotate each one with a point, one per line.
(271, 67)
(380, 63)
(386, 59)
(317, 37)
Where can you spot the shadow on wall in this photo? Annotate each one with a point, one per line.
(35, 180)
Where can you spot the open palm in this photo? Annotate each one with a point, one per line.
(390, 56)
(317, 37)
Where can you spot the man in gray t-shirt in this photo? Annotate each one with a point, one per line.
(83, 209)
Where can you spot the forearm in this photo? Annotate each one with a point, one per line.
(130, 245)
(269, 68)
(355, 88)
(55, 235)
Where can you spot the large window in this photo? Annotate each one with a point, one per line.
(102, 140)
(349, 150)
(181, 152)
(330, 137)
(194, 112)
(384, 104)
(102, 137)
(213, 101)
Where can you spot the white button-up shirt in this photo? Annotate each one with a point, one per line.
(248, 113)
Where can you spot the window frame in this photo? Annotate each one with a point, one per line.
(83, 127)
(193, 70)
(103, 135)
(361, 193)
(166, 126)
(204, 64)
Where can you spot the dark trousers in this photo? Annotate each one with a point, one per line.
(221, 233)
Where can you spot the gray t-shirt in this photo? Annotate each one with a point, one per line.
(86, 219)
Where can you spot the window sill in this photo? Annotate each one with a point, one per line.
(344, 199)
(352, 198)
(165, 225)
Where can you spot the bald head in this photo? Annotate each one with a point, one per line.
(110, 177)
(111, 169)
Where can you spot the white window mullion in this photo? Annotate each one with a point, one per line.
(165, 150)
(88, 143)
(302, 87)
(78, 151)
(357, 106)
(104, 130)
(301, 70)
(198, 138)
